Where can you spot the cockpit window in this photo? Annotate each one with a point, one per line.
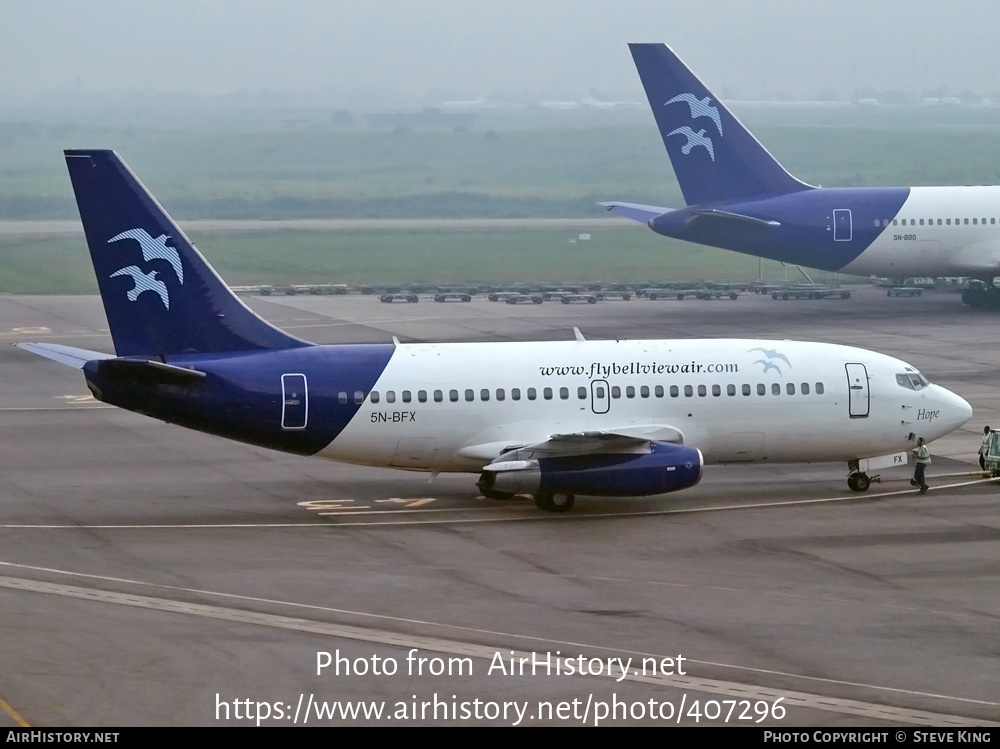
(912, 381)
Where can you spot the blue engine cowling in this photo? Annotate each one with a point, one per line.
(667, 467)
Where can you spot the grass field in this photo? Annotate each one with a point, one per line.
(447, 174)
(632, 254)
(464, 173)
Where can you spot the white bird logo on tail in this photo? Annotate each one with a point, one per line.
(154, 248)
(694, 139)
(143, 282)
(700, 108)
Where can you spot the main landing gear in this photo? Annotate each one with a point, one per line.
(554, 502)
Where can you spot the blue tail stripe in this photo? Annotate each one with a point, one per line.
(137, 248)
(714, 156)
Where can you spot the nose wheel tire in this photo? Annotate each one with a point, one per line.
(554, 502)
(859, 482)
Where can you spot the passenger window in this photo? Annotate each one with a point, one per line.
(484, 394)
(342, 398)
(948, 221)
(531, 394)
(581, 393)
(702, 391)
(406, 396)
(453, 396)
(470, 395)
(688, 391)
(775, 388)
(746, 390)
(966, 222)
(658, 391)
(547, 394)
(616, 392)
(975, 221)
(790, 388)
(563, 393)
(599, 391)
(716, 391)
(674, 392)
(761, 390)
(805, 388)
(422, 396)
(644, 391)
(373, 396)
(939, 222)
(515, 394)
(819, 388)
(630, 392)
(730, 390)
(894, 222)
(439, 396)
(921, 222)
(501, 394)
(359, 397)
(390, 396)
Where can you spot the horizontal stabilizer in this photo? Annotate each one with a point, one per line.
(68, 355)
(148, 372)
(636, 211)
(718, 217)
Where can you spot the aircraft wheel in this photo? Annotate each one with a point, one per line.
(847, 295)
(859, 482)
(591, 300)
(626, 297)
(554, 502)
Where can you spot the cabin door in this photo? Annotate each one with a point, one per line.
(858, 394)
(294, 401)
(842, 228)
(600, 396)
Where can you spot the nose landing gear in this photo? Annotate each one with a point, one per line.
(859, 482)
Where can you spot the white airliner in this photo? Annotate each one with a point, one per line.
(553, 420)
(739, 198)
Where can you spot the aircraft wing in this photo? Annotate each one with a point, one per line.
(633, 439)
(68, 355)
(636, 211)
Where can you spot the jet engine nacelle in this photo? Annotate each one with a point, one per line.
(665, 468)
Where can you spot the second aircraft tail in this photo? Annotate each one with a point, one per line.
(715, 158)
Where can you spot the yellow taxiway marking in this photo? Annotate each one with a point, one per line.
(14, 716)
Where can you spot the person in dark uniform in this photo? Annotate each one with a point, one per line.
(923, 458)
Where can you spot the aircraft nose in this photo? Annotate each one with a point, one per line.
(954, 408)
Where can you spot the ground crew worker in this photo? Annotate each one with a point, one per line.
(923, 457)
(983, 447)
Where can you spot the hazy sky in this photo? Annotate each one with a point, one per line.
(467, 47)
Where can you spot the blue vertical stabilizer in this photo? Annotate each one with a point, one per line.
(161, 297)
(715, 158)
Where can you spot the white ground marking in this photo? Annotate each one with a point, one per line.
(738, 691)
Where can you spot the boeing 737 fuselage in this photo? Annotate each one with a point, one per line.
(739, 198)
(606, 418)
